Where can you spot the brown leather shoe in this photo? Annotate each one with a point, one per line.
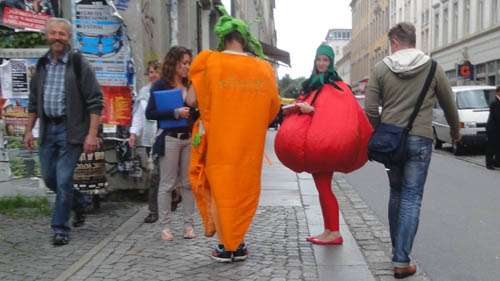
(403, 272)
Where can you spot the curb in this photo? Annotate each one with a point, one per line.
(371, 234)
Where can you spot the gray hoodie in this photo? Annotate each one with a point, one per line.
(395, 84)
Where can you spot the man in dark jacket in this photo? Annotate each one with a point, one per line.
(66, 98)
(493, 132)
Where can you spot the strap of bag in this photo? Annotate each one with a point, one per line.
(316, 95)
(421, 97)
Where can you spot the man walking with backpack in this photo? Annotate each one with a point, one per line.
(396, 83)
(66, 98)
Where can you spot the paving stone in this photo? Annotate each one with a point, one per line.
(372, 235)
(30, 253)
(275, 246)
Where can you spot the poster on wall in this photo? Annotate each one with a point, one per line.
(122, 5)
(15, 116)
(101, 36)
(117, 104)
(27, 14)
(15, 75)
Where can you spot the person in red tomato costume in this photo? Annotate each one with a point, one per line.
(324, 131)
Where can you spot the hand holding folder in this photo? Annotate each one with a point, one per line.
(170, 100)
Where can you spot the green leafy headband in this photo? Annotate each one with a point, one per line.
(227, 24)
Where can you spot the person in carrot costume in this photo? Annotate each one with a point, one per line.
(237, 96)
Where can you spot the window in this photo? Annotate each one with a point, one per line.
(466, 17)
(445, 26)
(480, 15)
(494, 12)
(475, 99)
(436, 30)
(454, 19)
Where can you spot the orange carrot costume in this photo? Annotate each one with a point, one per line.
(238, 97)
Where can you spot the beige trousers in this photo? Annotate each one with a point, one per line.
(174, 167)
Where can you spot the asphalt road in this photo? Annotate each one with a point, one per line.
(459, 232)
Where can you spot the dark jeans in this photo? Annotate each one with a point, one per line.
(493, 152)
(407, 188)
(58, 160)
(153, 190)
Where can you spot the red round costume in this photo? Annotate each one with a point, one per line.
(334, 138)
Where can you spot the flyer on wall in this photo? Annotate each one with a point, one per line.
(15, 76)
(101, 36)
(27, 14)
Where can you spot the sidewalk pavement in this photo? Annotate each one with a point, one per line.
(289, 211)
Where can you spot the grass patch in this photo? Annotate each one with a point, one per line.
(24, 207)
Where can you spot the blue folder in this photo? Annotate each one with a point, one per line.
(170, 100)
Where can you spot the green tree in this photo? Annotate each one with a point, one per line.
(289, 87)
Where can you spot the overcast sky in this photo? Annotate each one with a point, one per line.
(302, 25)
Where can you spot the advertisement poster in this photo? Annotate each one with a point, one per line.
(15, 114)
(100, 36)
(122, 5)
(117, 105)
(15, 76)
(27, 14)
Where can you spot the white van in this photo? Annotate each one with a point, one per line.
(473, 110)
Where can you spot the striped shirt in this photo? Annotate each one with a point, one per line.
(54, 99)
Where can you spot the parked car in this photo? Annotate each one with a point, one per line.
(473, 109)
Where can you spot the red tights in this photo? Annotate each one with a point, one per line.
(327, 200)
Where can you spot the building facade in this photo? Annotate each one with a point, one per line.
(343, 64)
(417, 12)
(467, 31)
(370, 23)
(338, 39)
(259, 14)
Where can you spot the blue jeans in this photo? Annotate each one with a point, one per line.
(58, 160)
(407, 188)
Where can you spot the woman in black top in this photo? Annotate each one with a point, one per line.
(173, 145)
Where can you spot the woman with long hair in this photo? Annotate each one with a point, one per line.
(173, 145)
(324, 131)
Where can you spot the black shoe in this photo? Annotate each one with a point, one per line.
(176, 199)
(79, 219)
(151, 218)
(221, 255)
(241, 253)
(490, 167)
(60, 239)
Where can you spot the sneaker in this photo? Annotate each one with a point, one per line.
(60, 239)
(220, 255)
(241, 253)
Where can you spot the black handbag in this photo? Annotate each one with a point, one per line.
(388, 144)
